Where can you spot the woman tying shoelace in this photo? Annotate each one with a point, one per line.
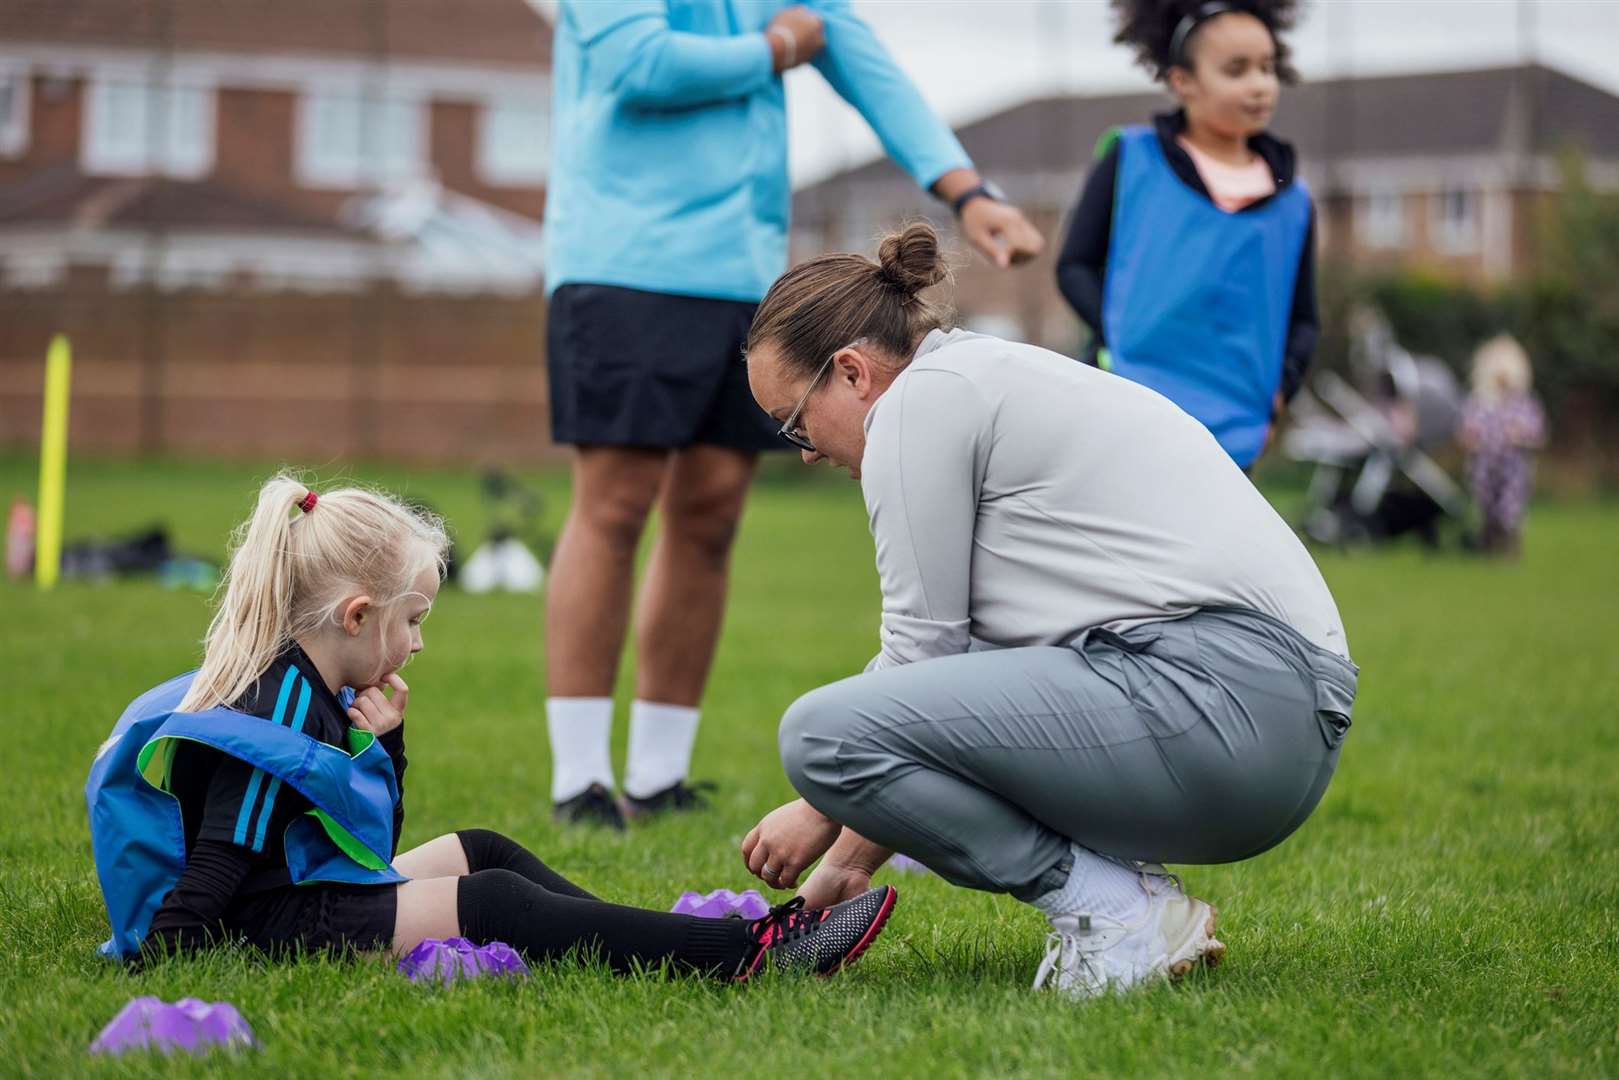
(1101, 649)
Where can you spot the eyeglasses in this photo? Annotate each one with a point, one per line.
(789, 428)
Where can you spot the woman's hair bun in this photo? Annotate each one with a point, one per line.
(909, 259)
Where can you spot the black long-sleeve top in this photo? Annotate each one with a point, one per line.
(234, 824)
(1082, 264)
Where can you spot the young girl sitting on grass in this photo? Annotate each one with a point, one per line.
(259, 799)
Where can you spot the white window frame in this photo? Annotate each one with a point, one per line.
(1380, 219)
(14, 128)
(189, 142)
(361, 165)
(498, 166)
(1457, 236)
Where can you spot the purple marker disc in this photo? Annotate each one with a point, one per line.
(189, 1024)
(455, 958)
(722, 902)
(907, 865)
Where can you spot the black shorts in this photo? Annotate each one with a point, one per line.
(635, 368)
(316, 918)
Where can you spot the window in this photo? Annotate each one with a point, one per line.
(136, 126)
(514, 143)
(348, 137)
(1456, 221)
(13, 112)
(1381, 219)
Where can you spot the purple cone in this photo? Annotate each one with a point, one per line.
(722, 902)
(907, 865)
(189, 1024)
(457, 958)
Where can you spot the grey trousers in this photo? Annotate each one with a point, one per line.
(1204, 739)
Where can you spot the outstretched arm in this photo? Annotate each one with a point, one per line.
(865, 75)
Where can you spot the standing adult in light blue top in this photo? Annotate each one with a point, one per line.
(666, 223)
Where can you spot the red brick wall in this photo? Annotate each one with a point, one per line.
(253, 144)
(302, 377)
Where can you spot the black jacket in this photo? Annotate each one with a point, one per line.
(1082, 264)
(216, 791)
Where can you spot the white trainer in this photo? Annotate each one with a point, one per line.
(1089, 955)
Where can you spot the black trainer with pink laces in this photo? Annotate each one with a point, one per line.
(823, 942)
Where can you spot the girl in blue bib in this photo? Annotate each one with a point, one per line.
(1190, 254)
(260, 798)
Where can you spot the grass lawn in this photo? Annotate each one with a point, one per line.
(1452, 907)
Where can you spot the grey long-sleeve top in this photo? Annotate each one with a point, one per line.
(1018, 498)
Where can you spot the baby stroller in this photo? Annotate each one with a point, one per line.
(1373, 478)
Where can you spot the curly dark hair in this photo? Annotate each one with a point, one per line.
(1148, 26)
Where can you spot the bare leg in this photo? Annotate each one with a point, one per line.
(587, 603)
(682, 599)
(426, 909)
(442, 856)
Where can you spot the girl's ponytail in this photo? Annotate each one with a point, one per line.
(254, 620)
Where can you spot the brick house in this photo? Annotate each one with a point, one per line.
(252, 215)
(1443, 171)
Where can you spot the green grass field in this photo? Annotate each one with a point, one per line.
(1451, 909)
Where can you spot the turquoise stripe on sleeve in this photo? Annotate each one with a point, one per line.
(246, 814)
(275, 784)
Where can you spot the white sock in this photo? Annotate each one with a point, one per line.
(1096, 886)
(580, 728)
(661, 738)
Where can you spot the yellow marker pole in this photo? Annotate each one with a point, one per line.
(52, 463)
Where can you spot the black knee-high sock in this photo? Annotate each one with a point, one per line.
(501, 905)
(488, 850)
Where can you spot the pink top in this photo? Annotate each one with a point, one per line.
(1232, 187)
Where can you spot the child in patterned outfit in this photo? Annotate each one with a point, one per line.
(1502, 422)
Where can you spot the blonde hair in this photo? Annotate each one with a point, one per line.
(291, 567)
(1501, 368)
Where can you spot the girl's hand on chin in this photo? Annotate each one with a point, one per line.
(375, 712)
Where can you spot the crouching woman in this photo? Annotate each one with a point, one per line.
(1101, 649)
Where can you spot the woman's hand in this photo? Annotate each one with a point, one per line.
(832, 883)
(373, 711)
(786, 841)
(1000, 232)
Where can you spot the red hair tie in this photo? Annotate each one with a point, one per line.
(309, 502)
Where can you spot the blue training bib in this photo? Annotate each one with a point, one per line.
(1197, 301)
(136, 831)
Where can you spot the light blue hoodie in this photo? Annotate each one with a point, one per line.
(669, 161)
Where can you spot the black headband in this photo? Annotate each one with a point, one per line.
(1184, 28)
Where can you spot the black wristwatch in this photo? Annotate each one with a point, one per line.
(987, 189)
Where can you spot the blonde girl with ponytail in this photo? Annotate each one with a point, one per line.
(321, 606)
(337, 581)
